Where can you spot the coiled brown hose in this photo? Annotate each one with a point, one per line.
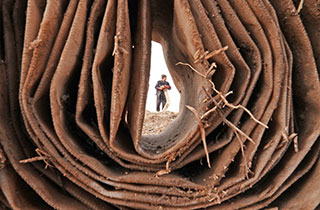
(74, 77)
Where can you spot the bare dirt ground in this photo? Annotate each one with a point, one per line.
(155, 122)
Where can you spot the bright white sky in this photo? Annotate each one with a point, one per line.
(158, 67)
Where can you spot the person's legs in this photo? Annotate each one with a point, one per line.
(164, 101)
(158, 102)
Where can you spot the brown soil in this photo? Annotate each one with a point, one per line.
(156, 122)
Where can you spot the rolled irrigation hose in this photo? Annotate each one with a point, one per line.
(73, 86)
(166, 94)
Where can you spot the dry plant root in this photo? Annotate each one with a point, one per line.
(3, 159)
(216, 52)
(207, 55)
(218, 107)
(295, 143)
(116, 45)
(168, 169)
(235, 129)
(299, 7)
(202, 132)
(42, 156)
(226, 103)
(117, 48)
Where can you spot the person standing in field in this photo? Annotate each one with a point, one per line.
(160, 87)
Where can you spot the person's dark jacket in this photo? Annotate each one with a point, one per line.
(159, 84)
